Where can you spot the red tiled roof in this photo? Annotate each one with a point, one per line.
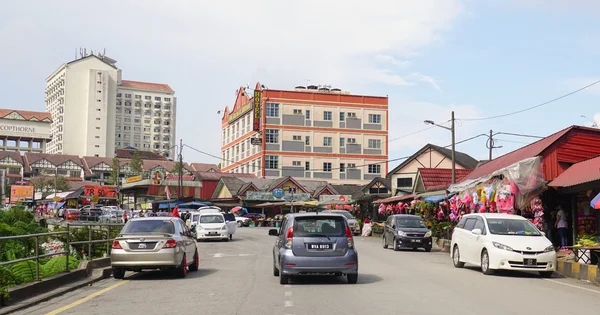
(579, 173)
(219, 175)
(204, 167)
(28, 115)
(144, 155)
(394, 199)
(146, 86)
(440, 178)
(56, 159)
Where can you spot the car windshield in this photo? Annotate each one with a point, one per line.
(149, 226)
(211, 219)
(414, 223)
(319, 226)
(512, 227)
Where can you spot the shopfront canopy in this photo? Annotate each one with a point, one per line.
(578, 174)
(394, 199)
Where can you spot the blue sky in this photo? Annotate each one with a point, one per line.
(478, 58)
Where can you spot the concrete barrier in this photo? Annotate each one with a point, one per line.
(579, 271)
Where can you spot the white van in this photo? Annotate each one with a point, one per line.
(212, 224)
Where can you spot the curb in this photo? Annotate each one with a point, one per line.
(579, 271)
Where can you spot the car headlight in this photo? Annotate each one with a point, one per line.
(428, 234)
(502, 246)
(549, 249)
(224, 227)
(401, 233)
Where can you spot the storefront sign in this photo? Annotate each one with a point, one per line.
(268, 196)
(323, 198)
(20, 129)
(256, 125)
(256, 141)
(586, 216)
(157, 177)
(100, 191)
(240, 112)
(21, 194)
(133, 179)
(188, 177)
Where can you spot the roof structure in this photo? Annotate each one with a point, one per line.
(204, 167)
(13, 155)
(440, 178)
(579, 173)
(25, 115)
(346, 189)
(241, 99)
(55, 159)
(461, 158)
(146, 86)
(144, 155)
(219, 175)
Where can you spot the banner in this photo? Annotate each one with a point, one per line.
(133, 179)
(239, 113)
(257, 114)
(100, 191)
(21, 194)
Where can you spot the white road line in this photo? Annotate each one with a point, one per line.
(573, 286)
(288, 303)
(288, 293)
(217, 255)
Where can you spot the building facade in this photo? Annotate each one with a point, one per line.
(310, 132)
(92, 115)
(24, 131)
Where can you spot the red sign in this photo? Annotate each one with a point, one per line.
(100, 191)
(257, 116)
(185, 177)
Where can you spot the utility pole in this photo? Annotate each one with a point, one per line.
(3, 189)
(491, 144)
(180, 170)
(453, 151)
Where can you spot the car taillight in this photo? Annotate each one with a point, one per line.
(170, 244)
(116, 245)
(289, 236)
(349, 237)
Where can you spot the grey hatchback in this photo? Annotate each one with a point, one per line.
(314, 244)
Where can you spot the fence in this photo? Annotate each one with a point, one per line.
(90, 241)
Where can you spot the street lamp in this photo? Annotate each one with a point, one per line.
(594, 124)
(430, 122)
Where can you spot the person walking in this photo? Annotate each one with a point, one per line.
(175, 212)
(562, 225)
(124, 217)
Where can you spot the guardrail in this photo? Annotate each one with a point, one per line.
(90, 241)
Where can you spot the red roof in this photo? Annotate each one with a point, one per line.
(579, 173)
(28, 115)
(146, 86)
(218, 175)
(394, 199)
(440, 178)
(204, 167)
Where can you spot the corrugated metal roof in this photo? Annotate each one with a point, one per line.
(440, 178)
(579, 173)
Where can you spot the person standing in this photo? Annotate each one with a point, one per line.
(131, 213)
(175, 212)
(124, 217)
(562, 226)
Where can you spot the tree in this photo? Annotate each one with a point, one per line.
(49, 184)
(176, 168)
(136, 164)
(114, 172)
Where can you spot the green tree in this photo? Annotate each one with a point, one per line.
(175, 170)
(114, 172)
(136, 164)
(49, 184)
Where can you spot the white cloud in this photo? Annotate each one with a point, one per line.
(393, 61)
(428, 79)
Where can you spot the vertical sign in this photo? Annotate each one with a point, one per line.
(257, 114)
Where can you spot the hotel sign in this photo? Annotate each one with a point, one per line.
(21, 129)
(256, 125)
(240, 112)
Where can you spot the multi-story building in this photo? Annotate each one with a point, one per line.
(310, 132)
(94, 111)
(22, 130)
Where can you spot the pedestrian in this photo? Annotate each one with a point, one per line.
(124, 217)
(562, 226)
(175, 212)
(131, 213)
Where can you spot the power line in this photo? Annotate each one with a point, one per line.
(512, 141)
(533, 107)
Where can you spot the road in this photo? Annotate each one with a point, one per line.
(236, 278)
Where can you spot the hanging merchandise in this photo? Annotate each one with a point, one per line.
(381, 209)
(505, 200)
(538, 213)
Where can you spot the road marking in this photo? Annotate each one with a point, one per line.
(288, 303)
(573, 286)
(217, 255)
(288, 293)
(87, 298)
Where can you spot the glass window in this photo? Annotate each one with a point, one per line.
(374, 144)
(212, 218)
(272, 136)
(307, 166)
(327, 141)
(272, 110)
(271, 162)
(512, 227)
(479, 225)
(320, 225)
(470, 224)
(342, 116)
(342, 142)
(149, 226)
(326, 166)
(327, 116)
(342, 167)
(374, 169)
(307, 112)
(307, 140)
(410, 222)
(374, 119)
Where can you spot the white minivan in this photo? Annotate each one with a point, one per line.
(495, 241)
(213, 224)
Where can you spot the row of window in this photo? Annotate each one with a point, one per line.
(137, 104)
(272, 136)
(237, 129)
(272, 110)
(147, 97)
(272, 162)
(145, 145)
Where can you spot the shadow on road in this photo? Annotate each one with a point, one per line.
(514, 274)
(332, 280)
(163, 275)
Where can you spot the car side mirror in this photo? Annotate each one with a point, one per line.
(273, 232)
(476, 232)
(226, 221)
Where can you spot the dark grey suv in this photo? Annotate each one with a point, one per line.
(313, 244)
(406, 230)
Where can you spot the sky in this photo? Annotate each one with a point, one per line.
(477, 58)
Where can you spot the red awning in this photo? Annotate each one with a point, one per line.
(579, 173)
(395, 198)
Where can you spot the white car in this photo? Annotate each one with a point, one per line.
(242, 221)
(495, 241)
(212, 224)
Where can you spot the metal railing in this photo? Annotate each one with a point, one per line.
(90, 241)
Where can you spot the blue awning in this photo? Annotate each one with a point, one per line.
(167, 205)
(192, 205)
(439, 198)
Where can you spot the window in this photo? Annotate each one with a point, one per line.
(138, 97)
(404, 182)
(98, 109)
(97, 118)
(296, 163)
(167, 99)
(351, 140)
(326, 166)
(342, 116)
(118, 102)
(297, 112)
(351, 165)
(127, 103)
(128, 95)
(351, 115)
(374, 119)
(157, 98)
(470, 224)
(307, 140)
(272, 136)
(479, 225)
(374, 169)
(271, 162)
(297, 138)
(97, 146)
(327, 116)
(342, 167)
(137, 128)
(307, 166)
(374, 144)
(147, 98)
(342, 142)
(119, 94)
(272, 110)
(327, 141)
(98, 128)
(307, 112)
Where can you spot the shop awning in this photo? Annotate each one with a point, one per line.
(436, 199)
(61, 195)
(394, 199)
(579, 173)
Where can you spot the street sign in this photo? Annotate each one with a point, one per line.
(278, 193)
(292, 190)
(256, 141)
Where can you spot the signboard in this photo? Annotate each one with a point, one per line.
(21, 194)
(292, 190)
(323, 198)
(278, 193)
(100, 191)
(257, 114)
(133, 179)
(157, 177)
(188, 177)
(256, 141)
(268, 196)
(586, 216)
(240, 112)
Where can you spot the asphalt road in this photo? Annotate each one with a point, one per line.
(236, 278)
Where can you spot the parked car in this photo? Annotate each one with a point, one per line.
(495, 241)
(242, 221)
(312, 243)
(406, 231)
(212, 224)
(111, 216)
(71, 214)
(154, 243)
(352, 222)
(90, 214)
(254, 216)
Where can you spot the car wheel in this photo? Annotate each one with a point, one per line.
(275, 270)
(181, 271)
(352, 278)
(283, 279)
(385, 245)
(485, 263)
(118, 273)
(456, 258)
(240, 224)
(196, 264)
(415, 248)
(427, 249)
(546, 274)
(396, 248)
(226, 239)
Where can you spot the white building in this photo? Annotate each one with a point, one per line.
(92, 115)
(146, 117)
(24, 131)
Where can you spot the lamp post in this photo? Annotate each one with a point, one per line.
(452, 129)
(594, 124)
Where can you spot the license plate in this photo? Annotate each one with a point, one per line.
(213, 233)
(320, 246)
(415, 241)
(143, 245)
(529, 262)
